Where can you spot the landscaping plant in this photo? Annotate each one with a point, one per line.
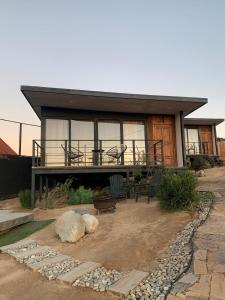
(176, 191)
(82, 196)
(199, 163)
(25, 198)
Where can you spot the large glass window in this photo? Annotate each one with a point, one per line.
(109, 145)
(134, 139)
(192, 141)
(82, 141)
(57, 131)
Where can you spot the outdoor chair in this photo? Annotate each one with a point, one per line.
(73, 155)
(116, 152)
(117, 188)
(148, 189)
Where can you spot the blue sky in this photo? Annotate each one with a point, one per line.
(172, 47)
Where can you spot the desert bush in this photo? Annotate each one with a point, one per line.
(199, 163)
(58, 196)
(176, 191)
(25, 198)
(82, 196)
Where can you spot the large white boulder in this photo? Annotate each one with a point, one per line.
(70, 227)
(91, 223)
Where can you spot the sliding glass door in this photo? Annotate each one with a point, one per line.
(134, 139)
(57, 131)
(192, 141)
(82, 141)
(88, 143)
(109, 143)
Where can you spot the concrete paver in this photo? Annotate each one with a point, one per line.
(128, 282)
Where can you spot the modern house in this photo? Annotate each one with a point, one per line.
(93, 132)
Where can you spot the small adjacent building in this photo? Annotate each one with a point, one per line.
(200, 136)
(5, 149)
(104, 132)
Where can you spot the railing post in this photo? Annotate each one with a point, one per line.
(162, 152)
(66, 153)
(100, 144)
(33, 154)
(154, 153)
(134, 154)
(69, 158)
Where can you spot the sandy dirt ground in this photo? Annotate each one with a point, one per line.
(133, 237)
(214, 180)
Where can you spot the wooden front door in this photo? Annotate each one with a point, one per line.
(206, 139)
(163, 128)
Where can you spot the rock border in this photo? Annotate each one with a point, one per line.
(174, 264)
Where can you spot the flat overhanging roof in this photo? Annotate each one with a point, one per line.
(39, 97)
(202, 121)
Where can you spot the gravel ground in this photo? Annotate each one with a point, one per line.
(34, 258)
(54, 270)
(158, 284)
(99, 279)
(22, 248)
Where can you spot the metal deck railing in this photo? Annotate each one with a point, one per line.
(85, 153)
(197, 148)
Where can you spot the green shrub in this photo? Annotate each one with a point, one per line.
(25, 198)
(177, 191)
(82, 196)
(199, 163)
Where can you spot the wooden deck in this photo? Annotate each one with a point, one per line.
(83, 169)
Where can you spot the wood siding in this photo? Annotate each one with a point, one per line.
(205, 133)
(221, 149)
(163, 128)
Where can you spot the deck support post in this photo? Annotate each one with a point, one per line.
(40, 187)
(32, 190)
(179, 147)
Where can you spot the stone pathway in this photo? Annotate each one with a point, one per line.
(205, 280)
(64, 268)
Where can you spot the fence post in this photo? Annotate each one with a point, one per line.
(20, 138)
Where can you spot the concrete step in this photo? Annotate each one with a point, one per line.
(30, 252)
(20, 244)
(48, 261)
(9, 220)
(123, 286)
(79, 271)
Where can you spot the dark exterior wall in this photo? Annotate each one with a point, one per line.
(15, 175)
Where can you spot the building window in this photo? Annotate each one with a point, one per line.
(192, 141)
(82, 140)
(57, 131)
(134, 139)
